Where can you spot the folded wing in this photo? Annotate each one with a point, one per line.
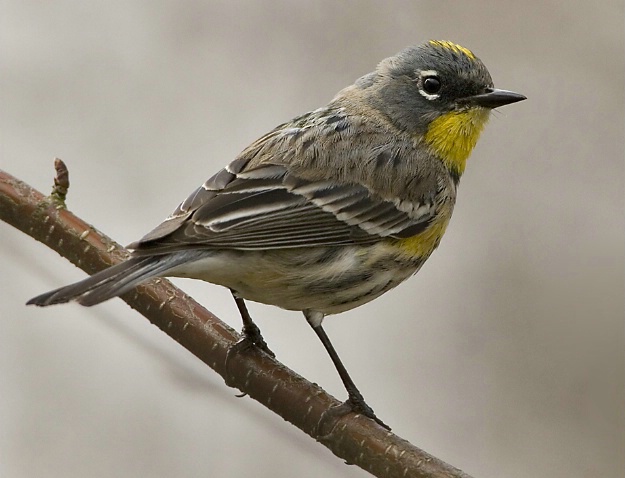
(269, 208)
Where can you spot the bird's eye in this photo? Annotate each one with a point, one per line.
(431, 84)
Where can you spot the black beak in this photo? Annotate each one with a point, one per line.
(493, 98)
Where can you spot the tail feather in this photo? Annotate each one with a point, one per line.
(111, 282)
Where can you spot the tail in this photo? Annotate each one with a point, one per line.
(113, 281)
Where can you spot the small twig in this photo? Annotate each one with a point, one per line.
(355, 439)
(61, 184)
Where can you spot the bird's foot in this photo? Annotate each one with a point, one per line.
(357, 404)
(251, 337)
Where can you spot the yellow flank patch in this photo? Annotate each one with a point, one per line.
(453, 47)
(423, 244)
(453, 136)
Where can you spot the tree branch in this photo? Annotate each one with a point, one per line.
(354, 438)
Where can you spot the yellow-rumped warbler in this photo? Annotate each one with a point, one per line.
(332, 209)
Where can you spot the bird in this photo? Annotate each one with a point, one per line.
(331, 209)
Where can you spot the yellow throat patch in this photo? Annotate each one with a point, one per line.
(453, 136)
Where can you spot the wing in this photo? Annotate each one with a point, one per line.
(269, 208)
(259, 202)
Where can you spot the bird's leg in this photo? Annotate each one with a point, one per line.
(355, 399)
(251, 332)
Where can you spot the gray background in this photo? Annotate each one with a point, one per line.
(503, 356)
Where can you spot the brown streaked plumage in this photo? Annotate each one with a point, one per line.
(331, 209)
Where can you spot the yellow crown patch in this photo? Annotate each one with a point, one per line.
(453, 47)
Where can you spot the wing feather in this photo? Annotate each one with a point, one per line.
(269, 208)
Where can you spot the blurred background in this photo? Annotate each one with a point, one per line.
(504, 356)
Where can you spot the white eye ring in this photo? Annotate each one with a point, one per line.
(424, 74)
